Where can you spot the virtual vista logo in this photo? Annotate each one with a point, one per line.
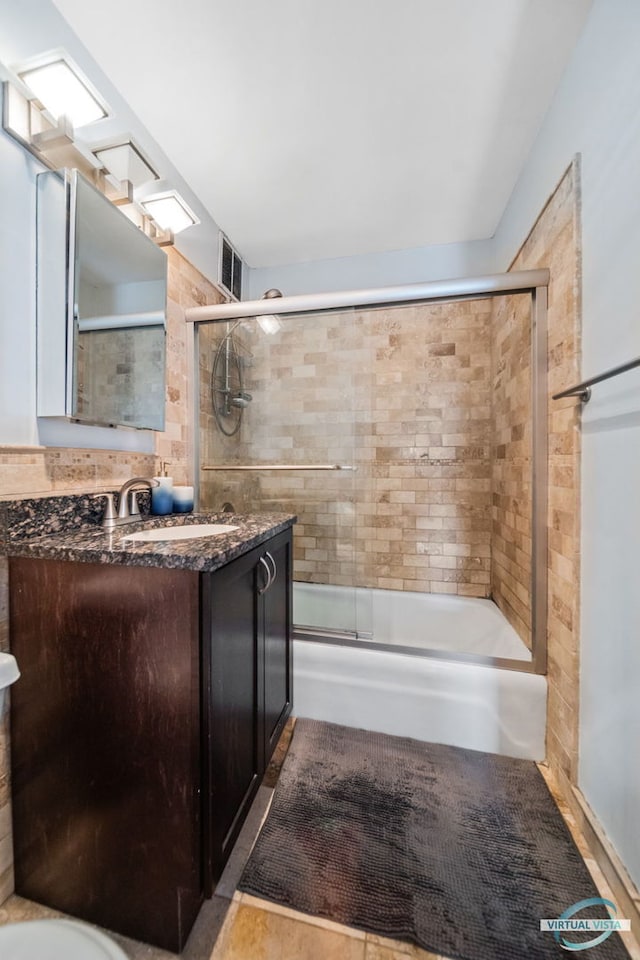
(570, 923)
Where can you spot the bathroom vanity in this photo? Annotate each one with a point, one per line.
(156, 679)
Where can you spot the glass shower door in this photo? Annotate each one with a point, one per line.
(278, 429)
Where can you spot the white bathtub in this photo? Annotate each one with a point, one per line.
(439, 701)
(427, 621)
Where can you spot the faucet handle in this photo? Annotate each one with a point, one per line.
(135, 506)
(127, 487)
(110, 510)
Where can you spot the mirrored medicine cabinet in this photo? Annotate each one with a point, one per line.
(101, 309)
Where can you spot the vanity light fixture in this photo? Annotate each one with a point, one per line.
(126, 162)
(62, 89)
(170, 211)
(44, 100)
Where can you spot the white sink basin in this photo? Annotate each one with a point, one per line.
(9, 673)
(186, 532)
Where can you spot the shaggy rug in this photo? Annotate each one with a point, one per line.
(460, 852)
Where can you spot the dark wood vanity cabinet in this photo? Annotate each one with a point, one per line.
(247, 665)
(148, 707)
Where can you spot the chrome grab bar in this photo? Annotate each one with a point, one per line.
(281, 466)
(583, 390)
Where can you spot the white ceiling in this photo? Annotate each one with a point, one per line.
(326, 128)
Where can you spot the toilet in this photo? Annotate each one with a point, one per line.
(56, 940)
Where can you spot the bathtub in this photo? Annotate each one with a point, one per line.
(435, 700)
(424, 621)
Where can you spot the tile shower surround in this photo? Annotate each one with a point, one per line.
(405, 503)
(432, 403)
(512, 462)
(554, 242)
(416, 515)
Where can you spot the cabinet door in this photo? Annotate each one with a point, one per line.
(105, 737)
(230, 663)
(276, 632)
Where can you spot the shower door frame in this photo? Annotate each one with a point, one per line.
(533, 282)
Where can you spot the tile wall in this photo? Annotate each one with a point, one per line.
(512, 461)
(405, 395)
(554, 242)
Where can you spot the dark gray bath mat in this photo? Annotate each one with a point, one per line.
(458, 851)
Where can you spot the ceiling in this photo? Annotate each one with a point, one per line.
(326, 128)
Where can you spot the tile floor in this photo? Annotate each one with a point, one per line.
(237, 926)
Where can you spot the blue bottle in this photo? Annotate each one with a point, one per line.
(162, 495)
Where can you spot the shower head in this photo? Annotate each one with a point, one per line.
(268, 322)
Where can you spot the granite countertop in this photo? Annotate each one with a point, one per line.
(204, 554)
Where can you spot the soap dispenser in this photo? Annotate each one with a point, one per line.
(162, 495)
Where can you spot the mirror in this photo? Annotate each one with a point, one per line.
(101, 312)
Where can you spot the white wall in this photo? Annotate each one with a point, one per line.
(17, 294)
(26, 29)
(419, 264)
(596, 112)
(18, 423)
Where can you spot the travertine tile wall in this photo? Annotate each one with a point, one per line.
(187, 288)
(511, 461)
(33, 471)
(554, 242)
(405, 394)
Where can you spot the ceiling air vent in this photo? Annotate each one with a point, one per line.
(231, 269)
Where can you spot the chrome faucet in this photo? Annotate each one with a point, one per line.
(124, 515)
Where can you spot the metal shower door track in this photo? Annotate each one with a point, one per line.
(463, 288)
